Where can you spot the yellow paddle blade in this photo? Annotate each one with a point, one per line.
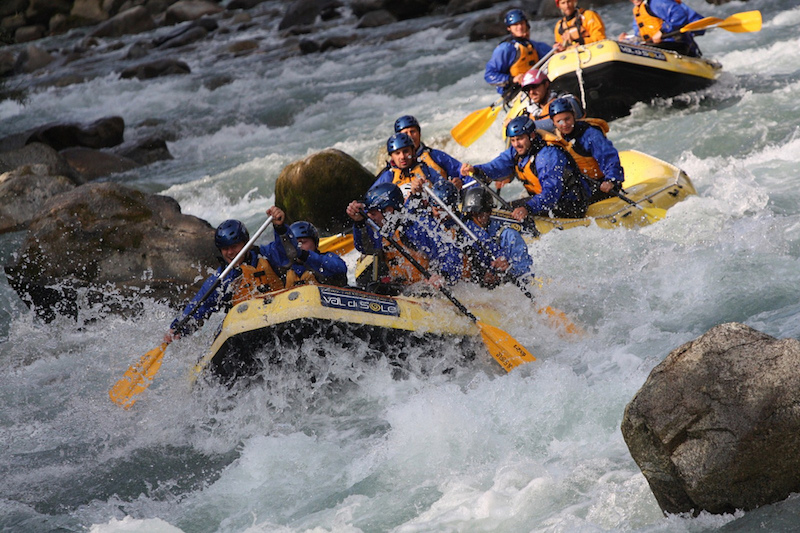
(558, 319)
(474, 125)
(137, 378)
(503, 347)
(701, 24)
(747, 21)
(339, 244)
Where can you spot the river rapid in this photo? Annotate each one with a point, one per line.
(366, 449)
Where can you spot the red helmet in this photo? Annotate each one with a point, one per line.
(533, 77)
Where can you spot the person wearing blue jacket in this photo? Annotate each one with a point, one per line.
(446, 165)
(417, 232)
(404, 166)
(514, 56)
(501, 256)
(591, 150)
(653, 20)
(555, 185)
(309, 265)
(257, 273)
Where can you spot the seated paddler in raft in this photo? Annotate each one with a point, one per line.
(256, 273)
(404, 166)
(536, 86)
(447, 166)
(653, 20)
(514, 56)
(310, 266)
(553, 181)
(417, 232)
(501, 255)
(587, 144)
(577, 26)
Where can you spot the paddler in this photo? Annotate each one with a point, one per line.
(257, 273)
(591, 150)
(404, 166)
(418, 232)
(555, 186)
(536, 86)
(447, 166)
(514, 56)
(501, 256)
(309, 266)
(653, 20)
(577, 26)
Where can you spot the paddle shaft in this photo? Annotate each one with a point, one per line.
(529, 221)
(471, 235)
(224, 273)
(424, 271)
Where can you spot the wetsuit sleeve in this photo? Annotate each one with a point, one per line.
(501, 167)
(499, 65)
(541, 48)
(673, 14)
(451, 165)
(605, 154)
(445, 258)
(386, 176)
(365, 239)
(594, 25)
(516, 252)
(199, 313)
(330, 268)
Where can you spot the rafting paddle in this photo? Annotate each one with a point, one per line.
(476, 123)
(744, 22)
(501, 346)
(652, 214)
(140, 375)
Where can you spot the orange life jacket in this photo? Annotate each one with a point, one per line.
(306, 278)
(426, 158)
(256, 281)
(403, 178)
(587, 164)
(400, 269)
(648, 23)
(526, 58)
(589, 24)
(527, 175)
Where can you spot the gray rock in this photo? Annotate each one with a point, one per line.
(40, 11)
(38, 154)
(27, 34)
(32, 59)
(134, 20)
(319, 188)
(10, 7)
(305, 12)
(185, 10)
(90, 10)
(23, 192)
(103, 133)
(374, 19)
(146, 151)
(192, 34)
(155, 69)
(93, 164)
(103, 238)
(716, 426)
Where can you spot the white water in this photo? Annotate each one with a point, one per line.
(537, 450)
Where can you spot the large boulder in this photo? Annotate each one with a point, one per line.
(716, 426)
(102, 133)
(102, 238)
(23, 192)
(39, 154)
(93, 164)
(319, 187)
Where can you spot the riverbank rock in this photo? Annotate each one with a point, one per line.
(103, 238)
(93, 164)
(39, 154)
(134, 20)
(319, 188)
(23, 192)
(716, 426)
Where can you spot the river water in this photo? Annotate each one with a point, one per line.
(536, 450)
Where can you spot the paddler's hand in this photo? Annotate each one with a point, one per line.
(502, 183)
(416, 185)
(606, 186)
(171, 336)
(467, 169)
(520, 214)
(436, 281)
(500, 264)
(657, 37)
(354, 210)
(277, 214)
(457, 182)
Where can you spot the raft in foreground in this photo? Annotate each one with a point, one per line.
(610, 76)
(256, 332)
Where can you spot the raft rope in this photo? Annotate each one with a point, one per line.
(579, 73)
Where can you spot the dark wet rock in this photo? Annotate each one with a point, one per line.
(215, 82)
(155, 69)
(26, 34)
(192, 34)
(11, 7)
(134, 20)
(374, 19)
(319, 188)
(456, 7)
(38, 154)
(113, 7)
(243, 4)
(102, 133)
(185, 10)
(7, 62)
(68, 79)
(102, 238)
(61, 23)
(242, 47)
(409, 9)
(146, 151)
(23, 192)
(90, 10)
(139, 50)
(362, 7)
(305, 12)
(32, 58)
(487, 28)
(93, 164)
(40, 11)
(307, 46)
(716, 426)
(333, 43)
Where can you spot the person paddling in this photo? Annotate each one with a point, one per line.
(591, 150)
(653, 20)
(309, 265)
(513, 56)
(577, 26)
(445, 165)
(403, 165)
(536, 86)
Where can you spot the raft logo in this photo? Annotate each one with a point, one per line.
(340, 299)
(642, 52)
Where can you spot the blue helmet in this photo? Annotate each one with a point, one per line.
(230, 232)
(406, 121)
(447, 192)
(560, 105)
(515, 16)
(305, 229)
(382, 196)
(398, 141)
(520, 126)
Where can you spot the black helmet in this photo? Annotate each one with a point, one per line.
(305, 229)
(383, 196)
(477, 200)
(230, 232)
